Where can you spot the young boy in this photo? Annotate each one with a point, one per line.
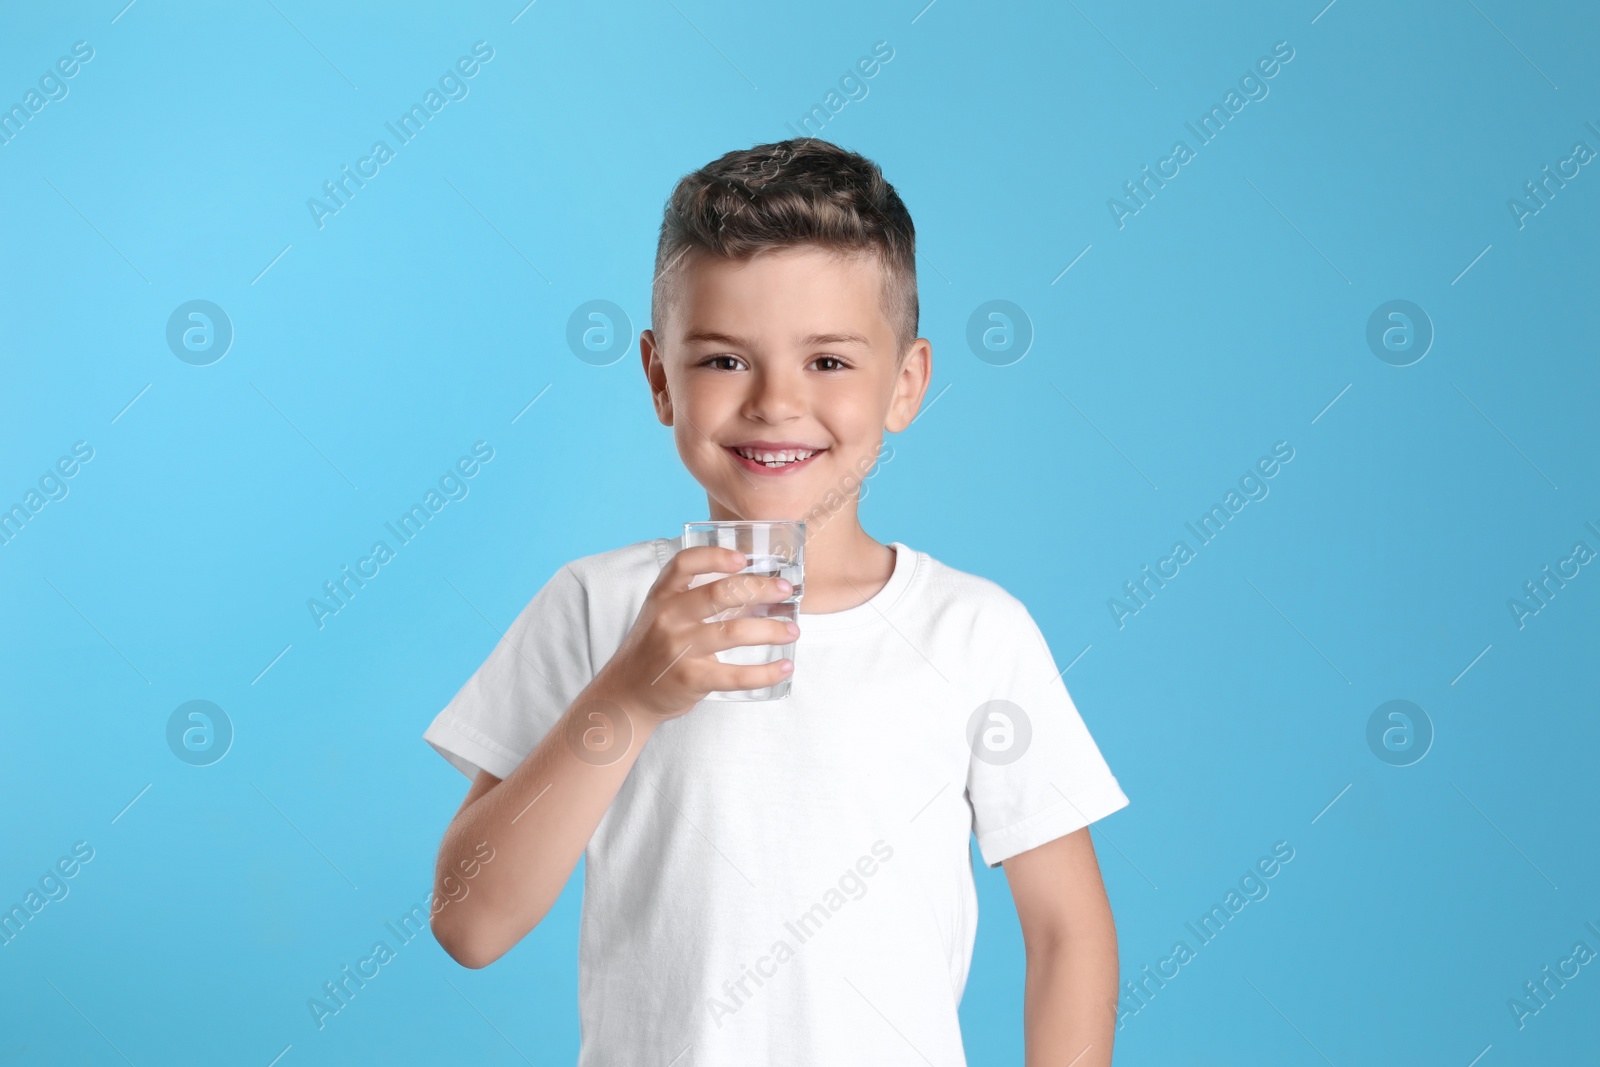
(783, 882)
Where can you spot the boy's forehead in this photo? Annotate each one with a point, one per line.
(807, 294)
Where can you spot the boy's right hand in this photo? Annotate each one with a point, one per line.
(667, 663)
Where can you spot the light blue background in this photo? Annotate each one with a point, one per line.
(1223, 317)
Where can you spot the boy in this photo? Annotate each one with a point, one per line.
(782, 882)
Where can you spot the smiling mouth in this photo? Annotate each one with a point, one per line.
(776, 459)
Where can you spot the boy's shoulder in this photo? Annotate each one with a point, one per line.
(954, 590)
(953, 582)
(637, 560)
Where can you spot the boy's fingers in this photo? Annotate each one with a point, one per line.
(738, 633)
(737, 589)
(689, 563)
(736, 592)
(758, 676)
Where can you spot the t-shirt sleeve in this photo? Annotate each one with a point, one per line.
(1034, 774)
(536, 670)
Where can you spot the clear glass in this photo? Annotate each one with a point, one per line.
(773, 550)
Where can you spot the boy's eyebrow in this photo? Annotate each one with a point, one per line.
(810, 341)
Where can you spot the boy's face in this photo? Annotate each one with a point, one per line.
(788, 351)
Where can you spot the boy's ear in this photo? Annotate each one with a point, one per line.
(910, 385)
(655, 374)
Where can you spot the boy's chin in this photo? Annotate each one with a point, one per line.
(771, 507)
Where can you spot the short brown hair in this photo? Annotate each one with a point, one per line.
(795, 192)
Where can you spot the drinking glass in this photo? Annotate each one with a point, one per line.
(772, 550)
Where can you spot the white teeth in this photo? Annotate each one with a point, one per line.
(777, 459)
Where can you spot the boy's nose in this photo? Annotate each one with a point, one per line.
(773, 398)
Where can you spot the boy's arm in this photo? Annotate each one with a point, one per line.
(538, 822)
(1069, 1013)
(539, 819)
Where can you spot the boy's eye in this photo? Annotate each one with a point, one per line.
(728, 362)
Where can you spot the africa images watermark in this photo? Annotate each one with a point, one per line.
(1253, 85)
(854, 89)
(1253, 887)
(1252, 484)
(852, 482)
(809, 923)
(52, 89)
(53, 887)
(1539, 591)
(1539, 995)
(340, 591)
(52, 486)
(1537, 195)
(337, 993)
(337, 194)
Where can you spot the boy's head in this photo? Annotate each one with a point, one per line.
(797, 192)
(784, 317)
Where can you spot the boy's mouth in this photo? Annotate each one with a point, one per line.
(773, 458)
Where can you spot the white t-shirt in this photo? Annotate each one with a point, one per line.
(790, 881)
